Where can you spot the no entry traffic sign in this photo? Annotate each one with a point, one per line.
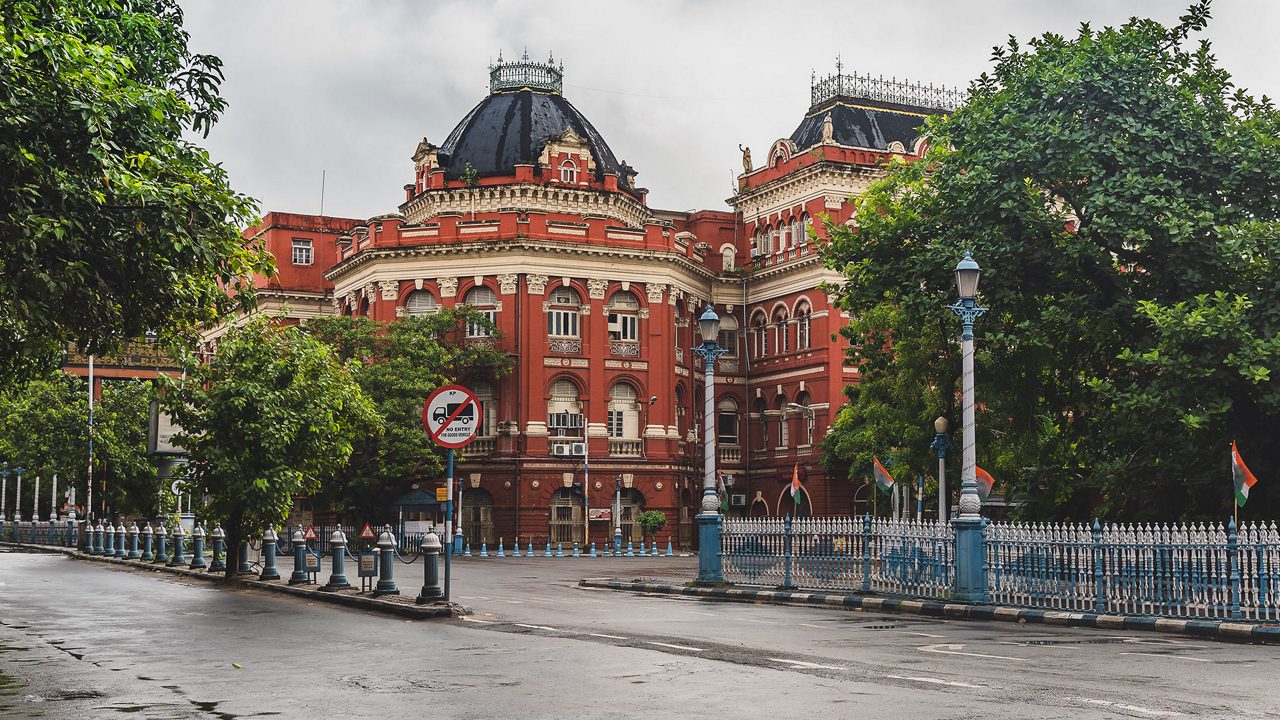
(451, 416)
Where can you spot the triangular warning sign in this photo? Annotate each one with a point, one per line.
(310, 534)
(366, 533)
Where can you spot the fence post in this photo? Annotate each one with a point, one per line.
(1099, 580)
(866, 553)
(1233, 551)
(786, 554)
(971, 552)
(710, 524)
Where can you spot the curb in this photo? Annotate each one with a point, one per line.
(416, 612)
(1225, 630)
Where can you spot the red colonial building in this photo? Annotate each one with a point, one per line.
(525, 213)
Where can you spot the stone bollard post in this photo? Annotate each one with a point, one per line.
(218, 536)
(197, 548)
(969, 584)
(179, 547)
(147, 535)
(244, 566)
(162, 540)
(133, 541)
(108, 539)
(97, 538)
(431, 591)
(269, 540)
(631, 550)
(338, 545)
(387, 557)
(121, 534)
(299, 576)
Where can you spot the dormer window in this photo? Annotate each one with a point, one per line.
(569, 172)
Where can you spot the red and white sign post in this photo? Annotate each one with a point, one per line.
(451, 417)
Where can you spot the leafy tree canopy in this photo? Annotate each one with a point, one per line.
(113, 223)
(398, 365)
(1122, 196)
(268, 417)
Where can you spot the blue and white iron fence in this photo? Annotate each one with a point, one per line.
(840, 553)
(58, 532)
(1185, 571)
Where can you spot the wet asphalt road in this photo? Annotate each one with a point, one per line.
(85, 641)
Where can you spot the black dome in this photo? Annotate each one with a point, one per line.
(857, 124)
(512, 127)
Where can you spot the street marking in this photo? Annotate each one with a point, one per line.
(476, 620)
(944, 649)
(1055, 646)
(820, 627)
(1171, 656)
(761, 622)
(935, 681)
(1130, 708)
(611, 637)
(537, 627)
(677, 647)
(921, 634)
(808, 665)
(695, 612)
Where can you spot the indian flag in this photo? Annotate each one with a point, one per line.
(795, 480)
(883, 479)
(985, 483)
(1244, 479)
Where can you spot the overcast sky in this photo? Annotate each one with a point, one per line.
(349, 88)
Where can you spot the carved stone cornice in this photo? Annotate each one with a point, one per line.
(508, 283)
(596, 288)
(448, 286)
(537, 284)
(527, 197)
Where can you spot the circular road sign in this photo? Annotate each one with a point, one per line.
(452, 416)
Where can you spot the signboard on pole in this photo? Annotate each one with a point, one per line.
(368, 566)
(366, 533)
(310, 534)
(600, 513)
(442, 494)
(451, 416)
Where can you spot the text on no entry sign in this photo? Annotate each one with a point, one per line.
(451, 416)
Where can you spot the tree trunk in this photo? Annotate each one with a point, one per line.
(235, 533)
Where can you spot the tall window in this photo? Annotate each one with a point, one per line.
(805, 224)
(728, 338)
(760, 327)
(483, 300)
(797, 232)
(420, 302)
(568, 172)
(808, 416)
(727, 421)
(564, 410)
(624, 411)
(623, 319)
(563, 313)
(784, 429)
(781, 341)
(303, 253)
(803, 312)
(489, 410)
(726, 259)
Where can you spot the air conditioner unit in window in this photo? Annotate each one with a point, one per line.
(561, 449)
(738, 500)
(578, 449)
(755, 253)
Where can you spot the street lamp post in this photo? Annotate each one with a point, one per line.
(971, 579)
(4, 488)
(941, 443)
(617, 516)
(17, 497)
(709, 520)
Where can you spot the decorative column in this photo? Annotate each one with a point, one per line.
(709, 520)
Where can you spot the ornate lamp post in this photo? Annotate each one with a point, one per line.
(709, 520)
(971, 577)
(617, 516)
(17, 498)
(4, 488)
(942, 444)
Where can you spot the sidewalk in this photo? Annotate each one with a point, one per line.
(1224, 630)
(402, 605)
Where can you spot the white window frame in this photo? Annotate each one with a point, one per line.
(569, 172)
(304, 252)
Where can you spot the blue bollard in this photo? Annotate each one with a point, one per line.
(299, 576)
(162, 537)
(642, 552)
(179, 549)
(147, 534)
(575, 549)
(593, 548)
(269, 540)
(515, 548)
(338, 577)
(72, 540)
(500, 552)
(197, 549)
(547, 552)
(121, 535)
(245, 566)
(669, 553)
(559, 549)
(484, 549)
(386, 574)
(466, 550)
(430, 550)
(655, 548)
(219, 562)
(133, 542)
(98, 539)
(109, 540)
(630, 550)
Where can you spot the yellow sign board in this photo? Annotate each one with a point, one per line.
(442, 494)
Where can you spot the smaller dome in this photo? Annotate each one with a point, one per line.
(869, 112)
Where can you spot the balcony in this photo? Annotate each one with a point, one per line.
(624, 348)
(565, 346)
(482, 446)
(729, 454)
(625, 447)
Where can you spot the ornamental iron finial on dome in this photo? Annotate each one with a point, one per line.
(885, 90)
(547, 76)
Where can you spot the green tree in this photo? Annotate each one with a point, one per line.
(268, 417)
(1123, 197)
(114, 224)
(651, 521)
(398, 365)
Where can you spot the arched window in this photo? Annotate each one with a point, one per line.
(483, 300)
(726, 258)
(624, 411)
(489, 409)
(774, 245)
(624, 322)
(805, 225)
(569, 172)
(784, 431)
(728, 335)
(565, 526)
(759, 327)
(563, 312)
(808, 416)
(784, 235)
(727, 421)
(477, 516)
(803, 311)
(797, 233)
(564, 410)
(631, 503)
(421, 302)
(781, 330)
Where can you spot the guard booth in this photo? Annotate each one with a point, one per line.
(418, 511)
